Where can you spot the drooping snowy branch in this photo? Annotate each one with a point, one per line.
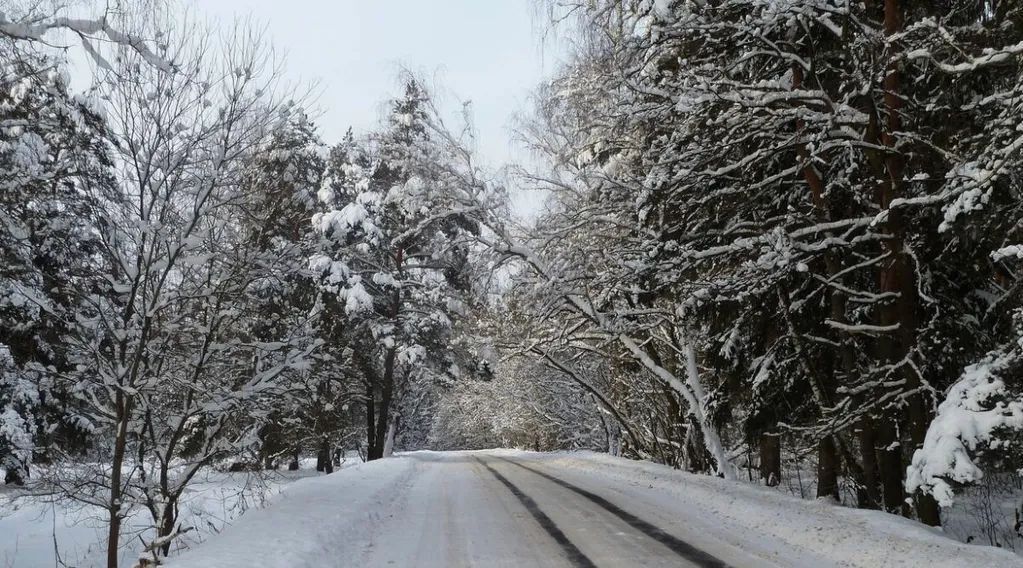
(88, 30)
(980, 412)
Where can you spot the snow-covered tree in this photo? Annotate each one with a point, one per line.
(785, 198)
(170, 356)
(398, 234)
(53, 154)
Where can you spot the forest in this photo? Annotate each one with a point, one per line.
(780, 244)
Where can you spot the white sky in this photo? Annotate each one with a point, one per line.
(489, 52)
(486, 51)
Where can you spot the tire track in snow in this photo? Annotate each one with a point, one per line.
(677, 545)
(575, 556)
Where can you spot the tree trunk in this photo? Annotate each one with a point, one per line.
(890, 276)
(389, 441)
(927, 509)
(371, 451)
(898, 275)
(770, 459)
(694, 451)
(711, 438)
(293, 465)
(379, 435)
(871, 495)
(827, 468)
(827, 451)
(324, 462)
(117, 461)
(889, 463)
(170, 518)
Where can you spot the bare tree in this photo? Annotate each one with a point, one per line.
(171, 362)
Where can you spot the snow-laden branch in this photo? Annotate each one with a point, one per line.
(989, 57)
(85, 29)
(559, 365)
(976, 412)
(864, 328)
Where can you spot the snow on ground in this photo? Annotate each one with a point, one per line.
(368, 513)
(313, 523)
(987, 513)
(34, 532)
(759, 517)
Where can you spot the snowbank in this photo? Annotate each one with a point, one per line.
(790, 528)
(36, 532)
(309, 523)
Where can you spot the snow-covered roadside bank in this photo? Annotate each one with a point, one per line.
(714, 510)
(310, 523)
(34, 532)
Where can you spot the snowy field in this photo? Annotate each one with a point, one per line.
(449, 509)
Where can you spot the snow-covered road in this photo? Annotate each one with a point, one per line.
(466, 510)
(506, 508)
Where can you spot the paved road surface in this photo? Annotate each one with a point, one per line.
(489, 511)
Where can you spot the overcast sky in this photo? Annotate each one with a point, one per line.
(486, 51)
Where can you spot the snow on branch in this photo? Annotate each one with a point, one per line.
(85, 29)
(868, 329)
(1007, 252)
(990, 57)
(976, 411)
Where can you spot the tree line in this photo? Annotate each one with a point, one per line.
(192, 278)
(788, 225)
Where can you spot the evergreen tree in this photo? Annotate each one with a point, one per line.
(396, 249)
(56, 171)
